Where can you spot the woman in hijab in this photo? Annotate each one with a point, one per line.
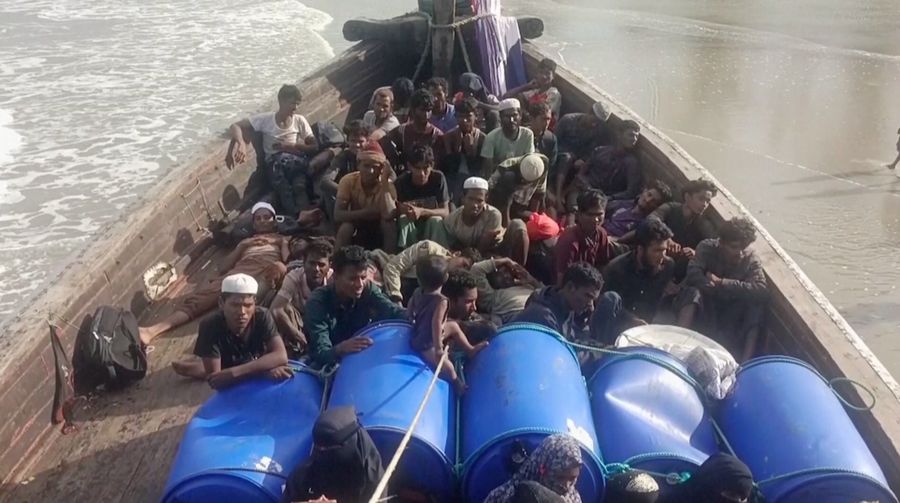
(720, 479)
(344, 465)
(555, 464)
(632, 487)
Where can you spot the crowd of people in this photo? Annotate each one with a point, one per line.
(461, 212)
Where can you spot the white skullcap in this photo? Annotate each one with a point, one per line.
(600, 111)
(240, 283)
(474, 182)
(262, 206)
(531, 167)
(509, 104)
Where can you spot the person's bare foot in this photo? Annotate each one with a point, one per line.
(476, 348)
(146, 334)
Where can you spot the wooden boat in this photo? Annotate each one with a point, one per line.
(126, 440)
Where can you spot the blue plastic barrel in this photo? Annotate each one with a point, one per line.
(386, 384)
(525, 386)
(784, 421)
(243, 443)
(649, 414)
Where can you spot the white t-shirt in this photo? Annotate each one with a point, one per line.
(298, 131)
(386, 126)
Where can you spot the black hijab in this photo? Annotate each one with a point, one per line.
(721, 472)
(344, 464)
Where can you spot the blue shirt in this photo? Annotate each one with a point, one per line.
(444, 122)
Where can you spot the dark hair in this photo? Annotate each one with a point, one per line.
(431, 271)
(356, 128)
(651, 230)
(289, 92)
(582, 274)
(629, 125)
(348, 256)
(438, 82)
(458, 281)
(591, 198)
(471, 254)
(547, 64)
(699, 185)
(319, 248)
(738, 230)
(421, 99)
(420, 154)
(662, 188)
(466, 106)
(538, 108)
(402, 88)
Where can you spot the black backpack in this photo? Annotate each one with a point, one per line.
(108, 351)
(328, 135)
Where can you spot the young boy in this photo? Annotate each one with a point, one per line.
(540, 89)
(428, 314)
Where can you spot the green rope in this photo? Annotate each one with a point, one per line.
(864, 408)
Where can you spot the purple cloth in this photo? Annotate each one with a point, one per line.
(501, 48)
(621, 217)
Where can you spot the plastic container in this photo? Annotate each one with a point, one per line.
(525, 386)
(784, 420)
(649, 414)
(243, 443)
(386, 384)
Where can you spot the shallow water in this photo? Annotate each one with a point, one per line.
(792, 105)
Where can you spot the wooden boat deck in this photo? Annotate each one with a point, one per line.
(126, 441)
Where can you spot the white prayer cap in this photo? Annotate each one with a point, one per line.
(243, 284)
(531, 167)
(474, 182)
(509, 104)
(600, 111)
(262, 206)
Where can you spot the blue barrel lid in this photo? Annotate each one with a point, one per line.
(227, 485)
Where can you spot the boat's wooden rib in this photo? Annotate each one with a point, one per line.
(127, 439)
(801, 321)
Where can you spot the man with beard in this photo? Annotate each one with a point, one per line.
(380, 119)
(443, 116)
(338, 310)
(643, 276)
(725, 289)
(508, 141)
(238, 341)
(399, 143)
(289, 306)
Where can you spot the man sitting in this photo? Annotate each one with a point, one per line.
(570, 307)
(688, 221)
(261, 256)
(578, 134)
(463, 149)
(238, 341)
(644, 275)
(586, 241)
(726, 287)
(380, 119)
(289, 305)
(443, 116)
(518, 188)
(545, 141)
(417, 131)
(361, 207)
(503, 288)
(461, 290)
(338, 310)
(475, 224)
(422, 199)
(508, 141)
(288, 144)
(344, 163)
(624, 215)
(540, 89)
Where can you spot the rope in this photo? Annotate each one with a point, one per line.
(465, 52)
(864, 408)
(382, 484)
(457, 26)
(462, 22)
(427, 48)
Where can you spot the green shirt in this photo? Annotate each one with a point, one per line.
(498, 148)
(328, 321)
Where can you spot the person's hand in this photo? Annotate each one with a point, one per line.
(532, 84)
(687, 252)
(285, 146)
(713, 279)
(353, 345)
(673, 249)
(671, 289)
(414, 213)
(221, 379)
(580, 164)
(237, 155)
(310, 218)
(281, 373)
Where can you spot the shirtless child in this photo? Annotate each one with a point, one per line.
(428, 313)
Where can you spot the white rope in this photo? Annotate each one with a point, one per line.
(412, 426)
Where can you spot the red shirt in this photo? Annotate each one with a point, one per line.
(573, 246)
